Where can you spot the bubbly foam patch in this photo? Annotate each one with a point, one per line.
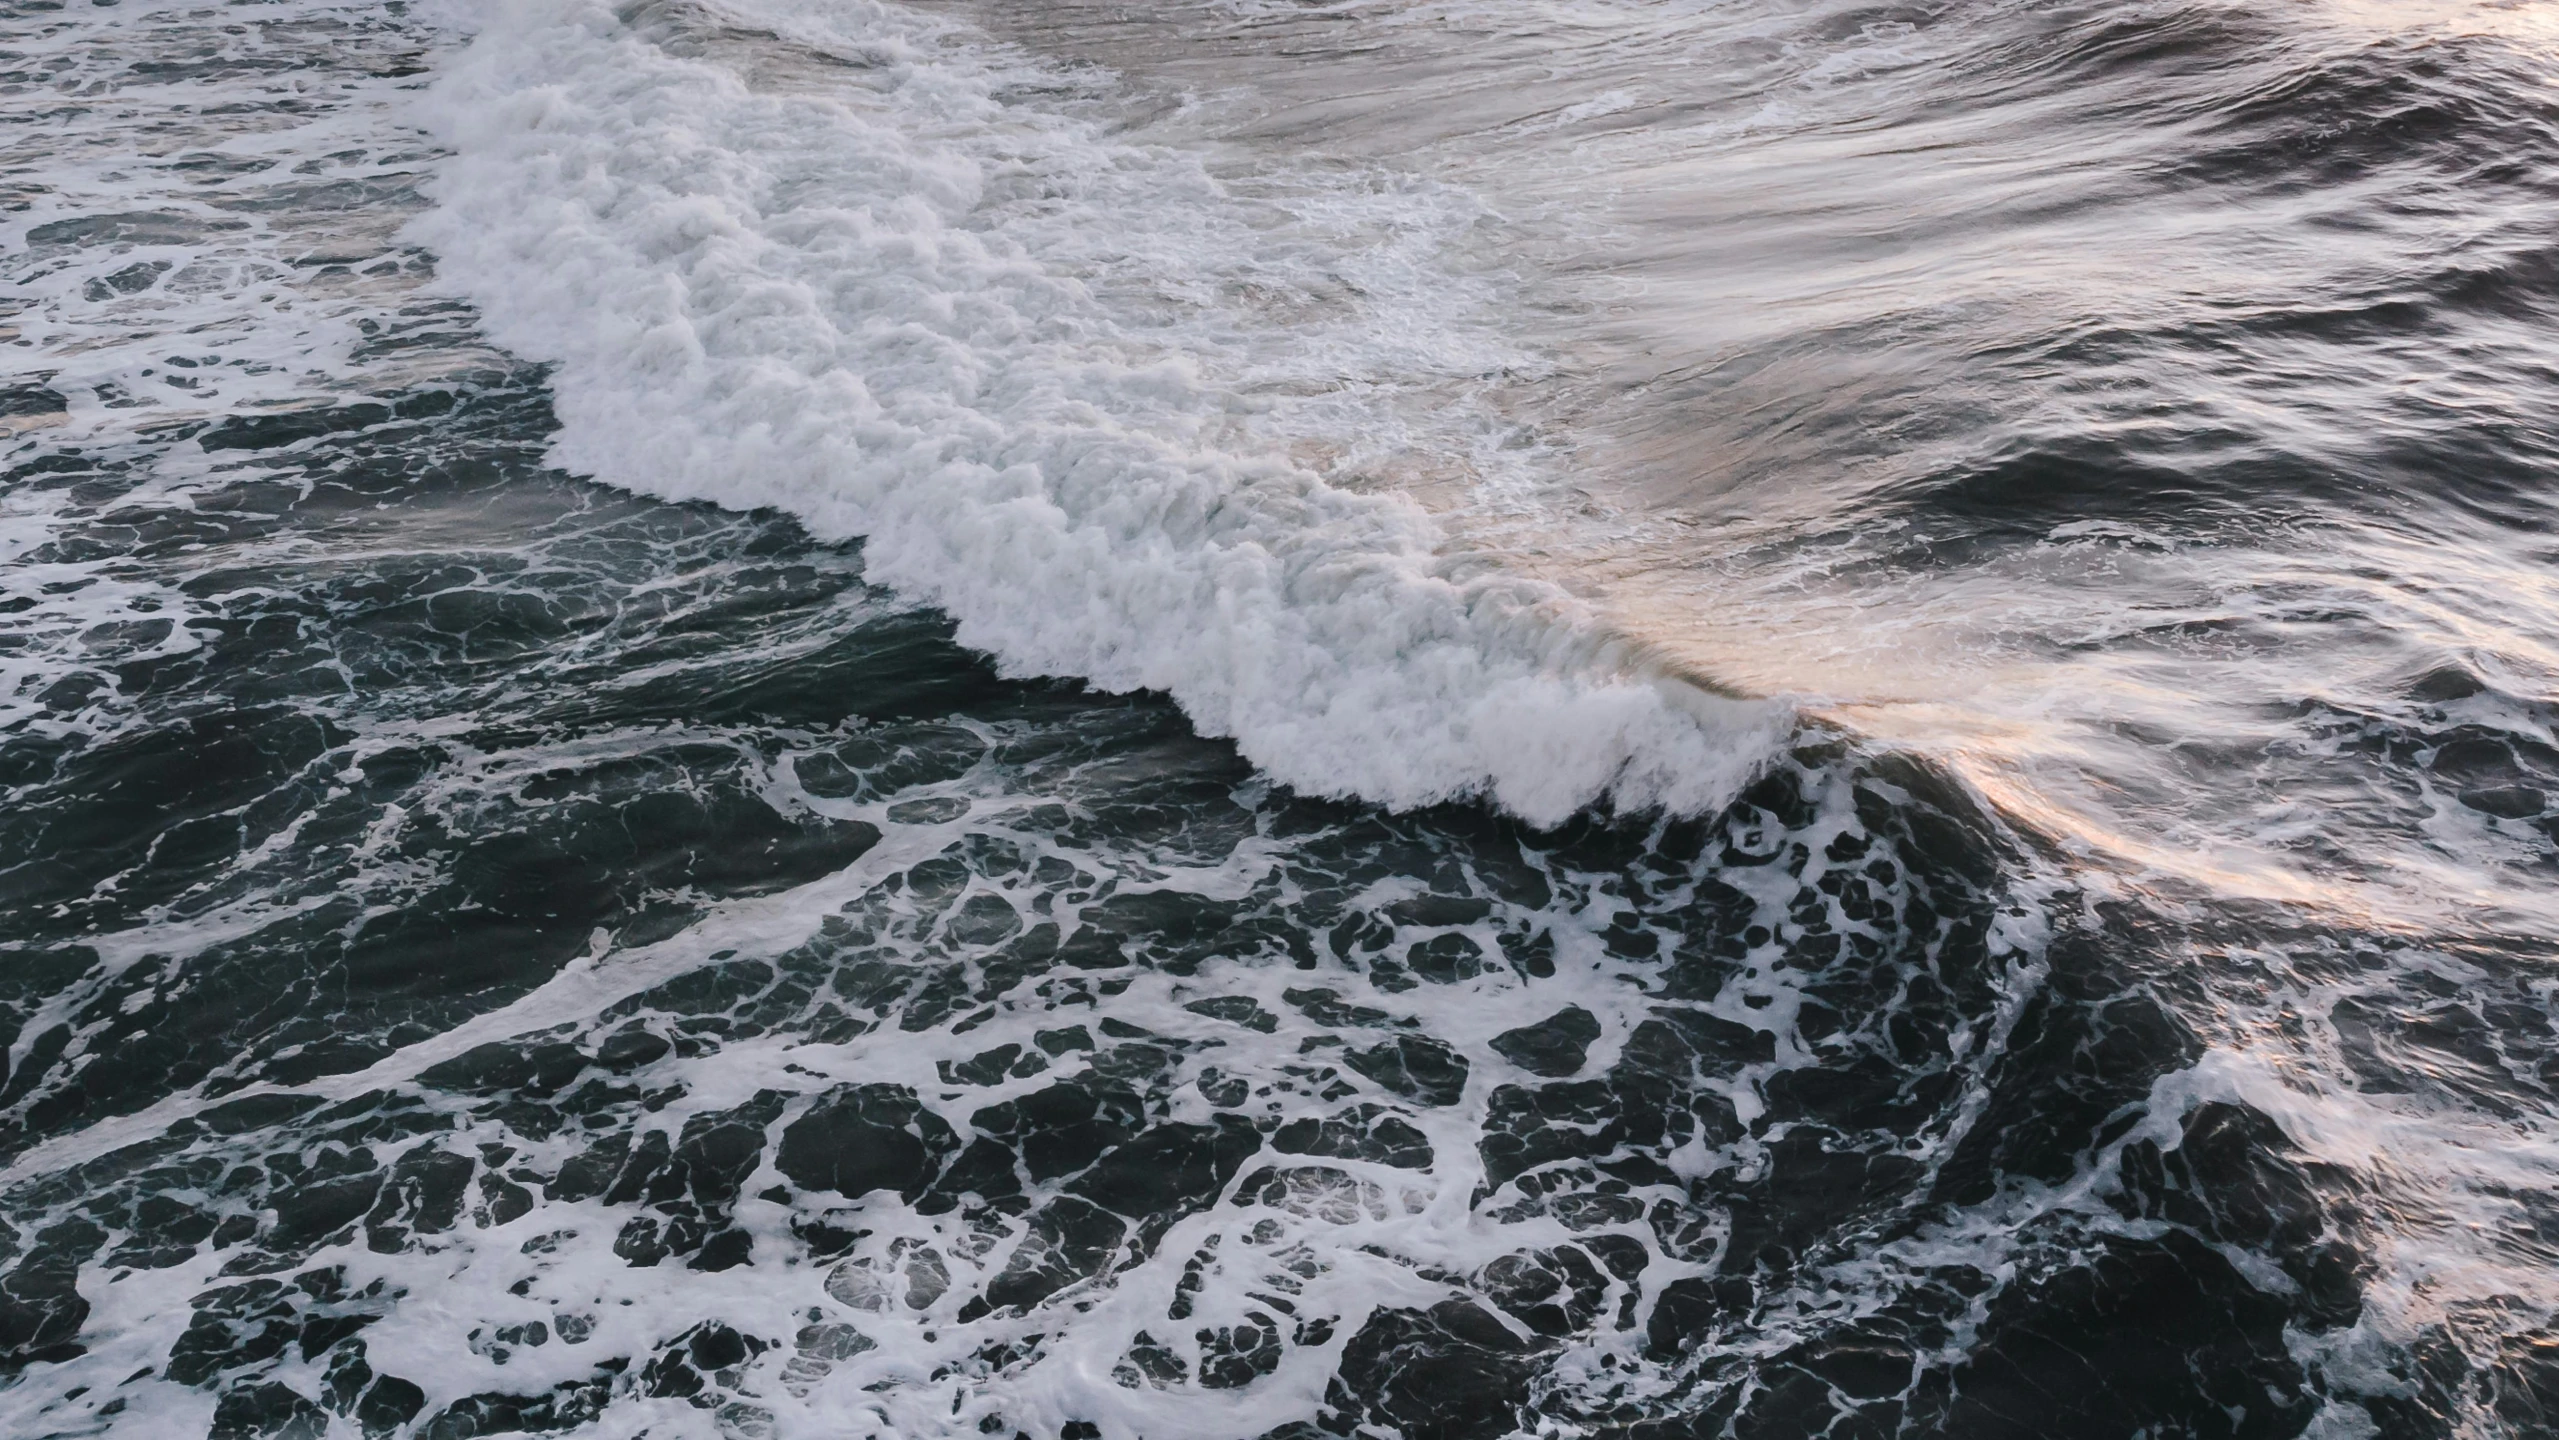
(839, 261)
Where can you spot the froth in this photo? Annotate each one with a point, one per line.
(848, 276)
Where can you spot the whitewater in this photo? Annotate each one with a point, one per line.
(990, 344)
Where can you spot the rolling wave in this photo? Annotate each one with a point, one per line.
(873, 306)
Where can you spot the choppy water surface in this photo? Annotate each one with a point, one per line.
(1426, 720)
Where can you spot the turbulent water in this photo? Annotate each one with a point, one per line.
(1250, 720)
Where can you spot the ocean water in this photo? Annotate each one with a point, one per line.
(1279, 719)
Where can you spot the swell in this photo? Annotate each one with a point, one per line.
(874, 304)
(1821, 1117)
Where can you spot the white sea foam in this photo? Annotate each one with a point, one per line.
(850, 276)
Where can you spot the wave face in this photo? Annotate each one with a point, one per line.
(819, 718)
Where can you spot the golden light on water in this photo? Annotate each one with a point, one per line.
(2531, 21)
(2085, 747)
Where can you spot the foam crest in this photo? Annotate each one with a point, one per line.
(833, 266)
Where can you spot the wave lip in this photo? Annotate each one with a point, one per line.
(876, 294)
